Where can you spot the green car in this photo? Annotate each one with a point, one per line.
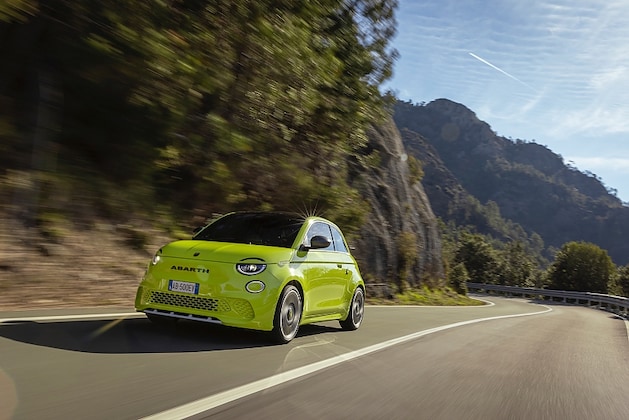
(266, 271)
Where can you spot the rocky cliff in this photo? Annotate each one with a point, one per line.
(400, 240)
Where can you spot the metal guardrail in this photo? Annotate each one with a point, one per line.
(381, 290)
(612, 303)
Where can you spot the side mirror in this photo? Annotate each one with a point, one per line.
(319, 242)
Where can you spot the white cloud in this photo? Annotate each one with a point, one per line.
(610, 78)
(594, 121)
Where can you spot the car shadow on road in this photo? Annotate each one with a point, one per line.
(141, 336)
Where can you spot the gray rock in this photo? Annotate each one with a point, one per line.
(400, 243)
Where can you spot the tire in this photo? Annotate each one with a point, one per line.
(163, 321)
(356, 311)
(287, 315)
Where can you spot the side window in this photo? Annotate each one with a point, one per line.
(339, 244)
(320, 229)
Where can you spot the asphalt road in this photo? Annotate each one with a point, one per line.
(512, 360)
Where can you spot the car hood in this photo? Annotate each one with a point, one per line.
(224, 251)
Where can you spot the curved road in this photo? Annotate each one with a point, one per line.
(512, 360)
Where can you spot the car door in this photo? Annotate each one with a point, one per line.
(324, 274)
(347, 265)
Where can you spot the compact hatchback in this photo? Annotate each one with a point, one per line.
(266, 271)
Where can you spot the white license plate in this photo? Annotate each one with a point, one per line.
(183, 287)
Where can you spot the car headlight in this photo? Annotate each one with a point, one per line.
(250, 269)
(155, 259)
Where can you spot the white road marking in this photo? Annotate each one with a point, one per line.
(199, 406)
(72, 317)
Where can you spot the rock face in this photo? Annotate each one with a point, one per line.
(400, 242)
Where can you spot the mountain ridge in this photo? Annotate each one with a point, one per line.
(465, 160)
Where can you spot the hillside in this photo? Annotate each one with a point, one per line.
(72, 255)
(533, 188)
(124, 123)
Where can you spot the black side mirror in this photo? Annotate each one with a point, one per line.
(319, 242)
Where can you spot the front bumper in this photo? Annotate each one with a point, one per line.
(241, 309)
(227, 310)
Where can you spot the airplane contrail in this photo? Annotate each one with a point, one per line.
(500, 70)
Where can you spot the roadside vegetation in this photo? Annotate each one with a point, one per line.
(426, 296)
(178, 110)
(577, 266)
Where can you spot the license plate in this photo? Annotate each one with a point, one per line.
(183, 287)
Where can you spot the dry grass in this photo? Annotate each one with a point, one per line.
(426, 297)
(102, 266)
(72, 267)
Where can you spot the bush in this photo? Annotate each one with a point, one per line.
(458, 279)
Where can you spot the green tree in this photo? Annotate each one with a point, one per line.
(213, 105)
(622, 281)
(479, 257)
(407, 256)
(279, 92)
(516, 266)
(581, 266)
(458, 278)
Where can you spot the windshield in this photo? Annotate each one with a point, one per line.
(271, 229)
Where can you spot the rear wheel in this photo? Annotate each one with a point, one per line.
(356, 311)
(287, 315)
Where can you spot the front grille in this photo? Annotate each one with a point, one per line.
(240, 306)
(185, 301)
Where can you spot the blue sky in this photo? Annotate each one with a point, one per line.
(554, 72)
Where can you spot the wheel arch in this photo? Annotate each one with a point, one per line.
(359, 285)
(298, 285)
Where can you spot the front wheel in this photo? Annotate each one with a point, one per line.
(356, 311)
(287, 315)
